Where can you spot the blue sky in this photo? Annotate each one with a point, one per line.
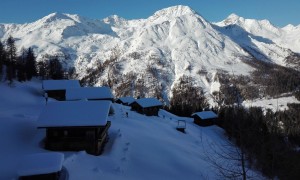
(279, 12)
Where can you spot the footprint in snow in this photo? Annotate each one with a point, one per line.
(97, 170)
(19, 115)
(119, 170)
(125, 149)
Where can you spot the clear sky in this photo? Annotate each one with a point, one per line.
(279, 12)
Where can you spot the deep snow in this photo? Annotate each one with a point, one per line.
(275, 104)
(140, 147)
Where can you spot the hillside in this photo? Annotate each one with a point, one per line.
(262, 39)
(173, 42)
(139, 147)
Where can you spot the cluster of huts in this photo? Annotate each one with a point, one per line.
(79, 121)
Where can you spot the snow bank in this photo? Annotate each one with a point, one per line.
(41, 163)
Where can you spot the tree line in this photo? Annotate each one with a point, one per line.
(23, 66)
(273, 79)
(268, 140)
(187, 98)
(20, 67)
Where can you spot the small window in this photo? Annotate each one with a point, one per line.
(65, 133)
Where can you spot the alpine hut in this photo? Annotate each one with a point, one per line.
(205, 118)
(147, 106)
(57, 88)
(89, 93)
(76, 125)
(125, 100)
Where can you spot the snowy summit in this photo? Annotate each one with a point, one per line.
(173, 42)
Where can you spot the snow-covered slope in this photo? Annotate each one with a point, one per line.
(276, 104)
(139, 147)
(261, 38)
(286, 37)
(174, 41)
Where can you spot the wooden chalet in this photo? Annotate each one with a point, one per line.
(147, 106)
(125, 100)
(57, 88)
(89, 93)
(76, 125)
(46, 166)
(205, 118)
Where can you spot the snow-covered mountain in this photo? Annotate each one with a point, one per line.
(261, 38)
(174, 41)
(286, 37)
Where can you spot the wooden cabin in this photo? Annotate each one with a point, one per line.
(147, 106)
(89, 93)
(76, 125)
(125, 100)
(57, 88)
(46, 166)
(205, 118)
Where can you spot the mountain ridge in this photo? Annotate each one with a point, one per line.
(173, 42)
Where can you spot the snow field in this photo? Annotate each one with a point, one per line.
(276, 104)
(140, 147)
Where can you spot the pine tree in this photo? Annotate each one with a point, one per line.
(42, 69)
(72, 73)
(11, 59)
(31, 69)
(2, 57)
(55, 69)
(187, 98)
(20, 66)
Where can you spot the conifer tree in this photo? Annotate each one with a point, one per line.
(187, 98)
(30, 65)
(2, 57)
(11, 51)
(55, 69)
(42, 69)
(20, 66)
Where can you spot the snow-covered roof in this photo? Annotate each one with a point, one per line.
(74, 113)
(60, 84)
(127, 99)
(206, 115)
(148, 102)
(41, 163)
(88, 93)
